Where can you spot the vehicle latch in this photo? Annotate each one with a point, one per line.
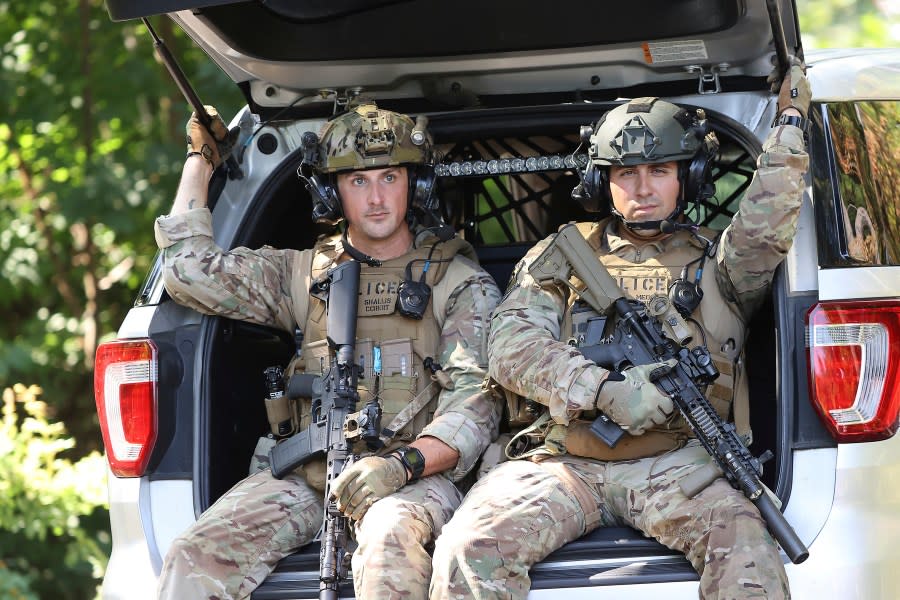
(709, 77)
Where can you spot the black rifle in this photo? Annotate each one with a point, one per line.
(334, 397)
(639, 338)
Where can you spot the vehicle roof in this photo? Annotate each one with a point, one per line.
(854, 74)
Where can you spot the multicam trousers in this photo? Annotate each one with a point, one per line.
(521, 511)
(237, 542)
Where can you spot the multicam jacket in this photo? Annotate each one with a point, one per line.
(528, 352)
(270, 287)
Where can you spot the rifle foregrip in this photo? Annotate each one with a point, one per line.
(782, 531)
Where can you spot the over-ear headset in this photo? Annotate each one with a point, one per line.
(326, 204)
(593, 191)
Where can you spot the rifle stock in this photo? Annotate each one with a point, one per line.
(639, 338)
(334, 397)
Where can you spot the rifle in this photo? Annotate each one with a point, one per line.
(642, 335)
(333, 428)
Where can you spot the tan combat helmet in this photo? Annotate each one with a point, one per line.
(367, 137)
(646, 130)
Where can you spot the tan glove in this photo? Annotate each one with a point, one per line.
(793, 90)
(635, 402)
(365, 482)
(214, 144)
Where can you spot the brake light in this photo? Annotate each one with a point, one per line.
(125, 376)
(854, 368)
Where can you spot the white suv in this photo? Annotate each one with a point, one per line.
(506, 86)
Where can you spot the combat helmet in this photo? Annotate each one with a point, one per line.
(648, 131)
(367, 137)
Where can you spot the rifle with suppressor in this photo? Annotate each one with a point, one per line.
(643, 335)
(332, 430)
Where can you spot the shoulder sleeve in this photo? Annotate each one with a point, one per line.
(467, 418)
(525, 353)
(762, 231)
(244, 284)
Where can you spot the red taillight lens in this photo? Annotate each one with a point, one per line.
(854, 368)
(125, 376)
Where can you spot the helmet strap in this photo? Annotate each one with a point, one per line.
(647, 225)
(357, 255)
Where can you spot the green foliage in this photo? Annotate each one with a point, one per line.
(91, 146)
(849, 23)
(51, 509)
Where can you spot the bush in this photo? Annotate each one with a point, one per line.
(53, 512)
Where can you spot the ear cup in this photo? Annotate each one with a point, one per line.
(593, 191)
(698, 185)
(422, 179)
(326, 208)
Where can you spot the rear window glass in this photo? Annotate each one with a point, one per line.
(866, 142)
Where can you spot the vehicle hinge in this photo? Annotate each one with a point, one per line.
(342, 100)
(709, 77)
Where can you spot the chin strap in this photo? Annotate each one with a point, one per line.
(648, 225)
(357, 255)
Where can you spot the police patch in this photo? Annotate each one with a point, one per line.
(377, 295)
(642, 283)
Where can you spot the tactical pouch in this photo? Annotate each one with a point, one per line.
(579, 440)
(518, 409)
(281, 413)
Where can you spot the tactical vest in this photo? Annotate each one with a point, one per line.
(407, 391)
(723, 332)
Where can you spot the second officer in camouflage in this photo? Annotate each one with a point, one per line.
(649, 159)
(372, 169)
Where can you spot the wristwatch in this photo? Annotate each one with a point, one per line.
(413, 460)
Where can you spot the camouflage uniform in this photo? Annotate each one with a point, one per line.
(236, 543)
(523, 510)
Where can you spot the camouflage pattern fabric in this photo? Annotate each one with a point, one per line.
(235, 544)
(393, 559)
(762, 231)
(482, 555)
(368, 137)
(253, 285)
(750, 250)
(521, 511)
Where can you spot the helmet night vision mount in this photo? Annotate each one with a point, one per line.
(367, 137)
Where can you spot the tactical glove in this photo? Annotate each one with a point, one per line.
(634, 401)
(793, 89)
(214, 144)
(365, 482)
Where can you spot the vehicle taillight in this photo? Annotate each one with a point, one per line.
(854, 368)
(125, 388)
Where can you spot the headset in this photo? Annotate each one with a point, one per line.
(696, 185)
(326, 205)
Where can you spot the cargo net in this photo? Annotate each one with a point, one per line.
(518, 189)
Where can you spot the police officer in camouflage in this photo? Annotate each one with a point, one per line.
(648, 158)
(373, 170)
